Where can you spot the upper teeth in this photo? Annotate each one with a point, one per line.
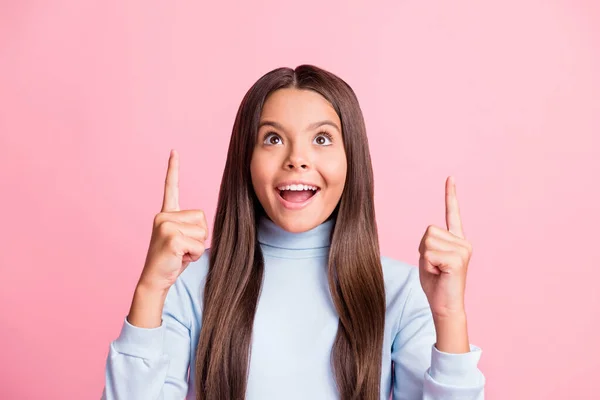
(297, 187)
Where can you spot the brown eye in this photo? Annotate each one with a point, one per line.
(323, 139)
(272, 139)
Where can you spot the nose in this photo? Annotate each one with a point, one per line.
(291, 165)
(297, 160)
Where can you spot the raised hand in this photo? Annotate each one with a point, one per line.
(177, 236)
(444, 260)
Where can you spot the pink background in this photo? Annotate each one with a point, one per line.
(505, 95)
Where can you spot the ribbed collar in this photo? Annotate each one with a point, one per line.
(278, 242)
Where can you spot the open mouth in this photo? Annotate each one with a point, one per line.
(297, 193)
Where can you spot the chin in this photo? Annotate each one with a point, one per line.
(297, 224)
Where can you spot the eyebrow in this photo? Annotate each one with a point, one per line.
(315, 125)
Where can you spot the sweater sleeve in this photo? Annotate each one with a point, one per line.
(152, 363)
(421, 371)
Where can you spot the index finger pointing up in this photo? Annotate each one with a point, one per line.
(453, 221)
(171, 197)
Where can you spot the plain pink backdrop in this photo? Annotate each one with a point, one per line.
(505, 95)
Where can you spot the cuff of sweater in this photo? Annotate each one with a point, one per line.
(458, 370)
(139, 342)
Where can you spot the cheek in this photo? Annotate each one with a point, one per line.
(333, 168)
(261, 171)
(255, 173)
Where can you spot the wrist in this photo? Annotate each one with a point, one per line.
(457, 315)
(452, 333)
(146, 307)
(150, 292)
(148, 288)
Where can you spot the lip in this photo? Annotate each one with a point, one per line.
(295, 206)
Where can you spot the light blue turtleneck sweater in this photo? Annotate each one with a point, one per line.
(293, 333)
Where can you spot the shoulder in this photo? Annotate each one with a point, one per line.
(187, 293)
(402, 283)
(194, 275)
(399, 276)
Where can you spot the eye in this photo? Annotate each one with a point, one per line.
(323, 139)
(272, 139)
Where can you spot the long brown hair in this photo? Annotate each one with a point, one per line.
(235, 272)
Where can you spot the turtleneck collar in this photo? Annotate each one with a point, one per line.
(278, 242)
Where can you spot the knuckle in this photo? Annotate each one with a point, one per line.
(458, 261)
(429, 241)
(158, 218)
(198, 251)
(165, 227)
(427, 255)
(469, 247)
(465, 252)
(173, 244)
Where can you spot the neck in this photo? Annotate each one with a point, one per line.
(277, 241)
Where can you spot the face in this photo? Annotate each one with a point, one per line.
(298, 164)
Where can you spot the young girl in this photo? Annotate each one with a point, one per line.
(293, 299)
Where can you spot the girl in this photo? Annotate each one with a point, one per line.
(293, 299)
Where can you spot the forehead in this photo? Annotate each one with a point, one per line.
(297, 108)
